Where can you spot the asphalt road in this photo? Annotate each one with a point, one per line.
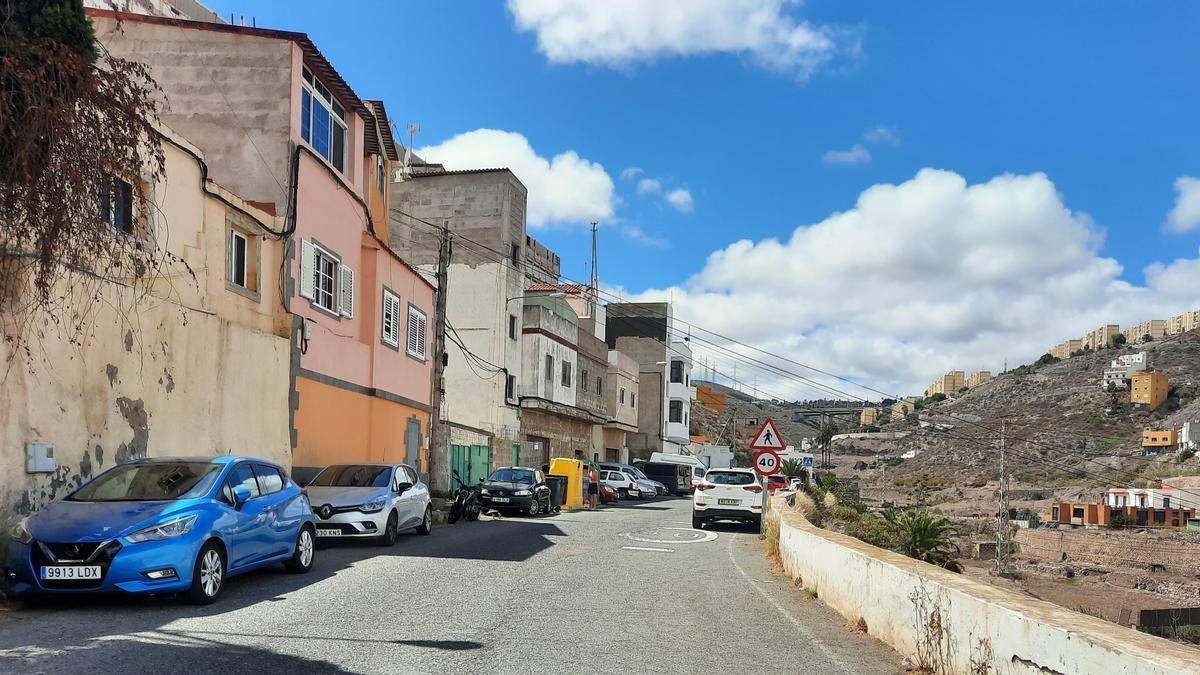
(630, 589)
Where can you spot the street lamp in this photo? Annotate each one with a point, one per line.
(555, 294)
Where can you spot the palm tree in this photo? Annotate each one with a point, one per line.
(825, 440)
(926, 536)
(791, 468)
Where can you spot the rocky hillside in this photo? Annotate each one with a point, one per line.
(1060, 420)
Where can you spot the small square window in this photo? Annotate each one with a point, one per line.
(622, 395)
(515, 253)
(566, 374)
(512, 327)
(510, 387)
(549, 368)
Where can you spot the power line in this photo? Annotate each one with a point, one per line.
(504, 259)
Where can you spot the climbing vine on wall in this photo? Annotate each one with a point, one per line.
(79, 158)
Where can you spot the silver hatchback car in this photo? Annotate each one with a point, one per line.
(369, 501)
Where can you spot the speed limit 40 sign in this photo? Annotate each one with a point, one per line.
(766, 463)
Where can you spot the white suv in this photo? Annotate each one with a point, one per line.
(727, 494)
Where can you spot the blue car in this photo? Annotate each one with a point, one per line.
(178, 525)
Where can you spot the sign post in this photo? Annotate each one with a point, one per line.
(768, 443)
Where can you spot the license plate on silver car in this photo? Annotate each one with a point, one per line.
(728, 502)
(329, 533)
(70, 572)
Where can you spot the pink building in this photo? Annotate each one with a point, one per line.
(279, 125)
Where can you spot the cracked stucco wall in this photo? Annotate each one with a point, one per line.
(185, 382)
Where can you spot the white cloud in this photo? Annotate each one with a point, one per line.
(918, 278)
(640, 236)
(622, 32)
(649, 186)
(857, 154)
(629, 173)
(882, 134)
(681, 200)
(1186, 214)
(564, 189)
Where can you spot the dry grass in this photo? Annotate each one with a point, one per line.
(858, 627)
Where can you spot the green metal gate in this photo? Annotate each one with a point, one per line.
(470, 462)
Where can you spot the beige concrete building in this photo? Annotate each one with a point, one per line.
(870, 416)
(904, 407)
(198, 366)
(1063, 350)
(1183, 322)
(948, 384)
(1155, 328)
(1100, 337)
(621, 404)
(978, 378)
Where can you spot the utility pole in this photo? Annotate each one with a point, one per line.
(439, 475)
(595, 271)
(1002, 513)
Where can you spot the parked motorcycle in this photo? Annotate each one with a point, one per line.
(466, 501)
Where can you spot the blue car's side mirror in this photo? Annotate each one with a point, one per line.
(241, 494)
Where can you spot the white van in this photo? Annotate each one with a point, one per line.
(698, 467)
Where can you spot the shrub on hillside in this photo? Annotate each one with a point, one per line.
(1188, 633)
(872, 529)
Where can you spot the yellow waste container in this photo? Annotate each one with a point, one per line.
(573, 470)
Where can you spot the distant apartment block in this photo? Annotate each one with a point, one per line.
(948, 384)
(1148, 388)
(1154, 328)
(978, 378)
(1100, 337)
(1183, 323)
(869, 416)
(904, 407)
(1064, 350)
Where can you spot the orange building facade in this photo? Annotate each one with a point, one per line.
(1148, 388)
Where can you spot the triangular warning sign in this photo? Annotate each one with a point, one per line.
(768, 437)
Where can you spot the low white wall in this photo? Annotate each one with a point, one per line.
(952, 624)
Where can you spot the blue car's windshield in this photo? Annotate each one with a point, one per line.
(512, 476)
(152, 481)
(353, 475)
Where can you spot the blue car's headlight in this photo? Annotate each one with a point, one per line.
(171, 528)
(374, 505)
(20, 532)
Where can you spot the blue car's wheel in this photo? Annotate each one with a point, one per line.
(208, 577)
(302, 558)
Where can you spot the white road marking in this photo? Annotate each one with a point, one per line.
(675, 539)
(812, 638)
(648, 548)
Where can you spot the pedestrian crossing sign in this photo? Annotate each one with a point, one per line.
(768, 437)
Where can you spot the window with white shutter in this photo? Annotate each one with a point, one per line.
(417, 328)
(347, 291)
(308, 255)
(391, 319)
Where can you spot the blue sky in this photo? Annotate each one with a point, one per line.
(1101, 97)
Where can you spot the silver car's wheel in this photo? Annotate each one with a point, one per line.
(306, 548)
(212, 572)
(208, 575)
(304, 553)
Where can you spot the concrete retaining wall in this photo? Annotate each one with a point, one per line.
(1110, 550)
(951, 624)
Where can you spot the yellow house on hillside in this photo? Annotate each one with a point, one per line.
(1148, 388)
